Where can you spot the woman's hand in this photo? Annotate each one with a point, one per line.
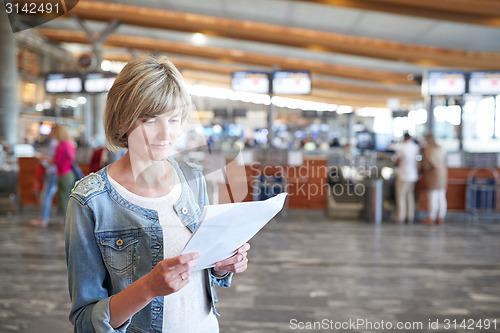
(167, 277)
(235, 264)
(171, 275)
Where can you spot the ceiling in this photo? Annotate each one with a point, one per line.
(359, 52)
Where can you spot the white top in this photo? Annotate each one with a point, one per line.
(407, 156)
(189, 309)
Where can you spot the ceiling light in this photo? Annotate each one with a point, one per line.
(199, 39)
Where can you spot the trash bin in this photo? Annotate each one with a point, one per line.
(373, 200)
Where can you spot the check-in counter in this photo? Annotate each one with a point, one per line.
(306, 184)
(27, 175)
(457, 188)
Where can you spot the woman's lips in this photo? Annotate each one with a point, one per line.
(161, 146)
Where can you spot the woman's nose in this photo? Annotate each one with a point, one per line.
(164, 130)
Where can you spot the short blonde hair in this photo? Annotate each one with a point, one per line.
(146, 87)
(61, 133)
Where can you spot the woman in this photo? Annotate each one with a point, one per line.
(128, 223)
(64, 156)
(49, 183)
(407, 176)
(435, 178)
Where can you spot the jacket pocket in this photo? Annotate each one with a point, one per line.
(119, 249)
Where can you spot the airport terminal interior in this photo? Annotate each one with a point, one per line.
(308, 97)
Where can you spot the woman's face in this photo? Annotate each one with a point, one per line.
(154, 137)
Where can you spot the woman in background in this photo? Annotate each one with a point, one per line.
(50, 182)
(64, 156)
(435, 177)
(62, 160)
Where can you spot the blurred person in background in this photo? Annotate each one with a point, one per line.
(99, 159)
(435, 177)
(63, 159)
(49, 188)
(406, 177)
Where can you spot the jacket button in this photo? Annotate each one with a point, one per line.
(119, 242)
(184, 211)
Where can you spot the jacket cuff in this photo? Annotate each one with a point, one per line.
(101, 317)
(223, 281)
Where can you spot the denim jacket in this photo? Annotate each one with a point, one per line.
(111, 243)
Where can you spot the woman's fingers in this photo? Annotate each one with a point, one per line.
(244, 248)
(172, 274)
(237, 263)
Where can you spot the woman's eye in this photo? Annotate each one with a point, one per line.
(150, 122)
(175, 120)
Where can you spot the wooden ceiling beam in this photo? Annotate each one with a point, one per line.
(182, 63)
(234, 56)
(480, 12)
(313, 40)
(477, 7)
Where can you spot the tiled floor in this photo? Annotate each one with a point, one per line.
(306, 274)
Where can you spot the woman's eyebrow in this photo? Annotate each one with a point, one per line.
(148, 116)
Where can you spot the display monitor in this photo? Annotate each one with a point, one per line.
(400, 113)
(330, 114)
(59, 83)
(445, 83)
(239, 112)
(484, 83)
(310, 114)
(365, 140)
(220, 112)
(99, 82)
(295, 83)
(255, 82)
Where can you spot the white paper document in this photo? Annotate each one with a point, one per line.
(224, 228)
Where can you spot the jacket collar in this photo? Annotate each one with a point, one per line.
(181, 206)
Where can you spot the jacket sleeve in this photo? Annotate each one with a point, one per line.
(87, 273)
(223, 282)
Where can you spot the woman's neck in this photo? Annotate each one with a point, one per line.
(148, 179)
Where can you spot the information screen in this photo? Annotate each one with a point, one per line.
(99, 82)
(446, 83)
(484, 83)
(255, 82)
(63, 83)
(295, 83)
